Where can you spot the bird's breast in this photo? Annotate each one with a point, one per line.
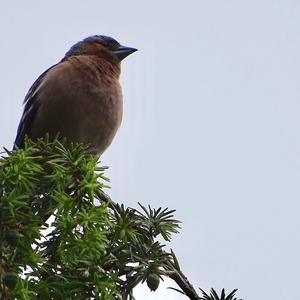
(82, 103)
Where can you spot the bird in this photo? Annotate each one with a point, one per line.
(79, 99)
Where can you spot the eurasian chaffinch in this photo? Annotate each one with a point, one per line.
(79, 98)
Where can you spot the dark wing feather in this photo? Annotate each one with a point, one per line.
(30, 111)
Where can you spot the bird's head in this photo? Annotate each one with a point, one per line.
(101, 46)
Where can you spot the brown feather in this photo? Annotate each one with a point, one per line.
(81, 99)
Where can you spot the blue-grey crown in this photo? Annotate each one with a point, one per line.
(105, 40)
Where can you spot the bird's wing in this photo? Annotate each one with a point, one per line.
(30, 110)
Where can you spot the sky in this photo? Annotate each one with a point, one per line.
(210, 127)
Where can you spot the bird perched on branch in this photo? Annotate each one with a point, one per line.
(79, 98)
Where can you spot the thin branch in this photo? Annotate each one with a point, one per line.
(106, 199)
(183, 283)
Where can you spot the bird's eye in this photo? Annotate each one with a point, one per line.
(110, 42)
(114, 44)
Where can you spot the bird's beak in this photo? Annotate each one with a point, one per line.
(123, 51)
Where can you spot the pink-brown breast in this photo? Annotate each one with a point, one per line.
(81, 99)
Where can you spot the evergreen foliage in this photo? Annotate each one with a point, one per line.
(94, 248)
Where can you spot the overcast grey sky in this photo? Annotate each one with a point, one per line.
(211, 124)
